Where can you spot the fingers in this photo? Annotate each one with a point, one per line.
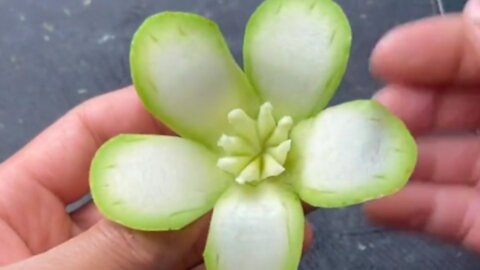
(450, 212)
(433, 51)
(449, 160)
(442, 159)
(89, 216)
(108, 246)
(12, 247)
(86, 217)
(59, 158)
(33, 213)
(425, 111)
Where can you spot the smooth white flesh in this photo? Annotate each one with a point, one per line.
(256, 228)
(186, 76)
(351, 153)
(296, 52)
(155, 182)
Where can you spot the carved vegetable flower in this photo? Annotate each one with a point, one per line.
(253, 144)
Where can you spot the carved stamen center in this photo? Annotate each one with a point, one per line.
(258, 148)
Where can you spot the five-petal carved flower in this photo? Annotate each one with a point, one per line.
(253, 144)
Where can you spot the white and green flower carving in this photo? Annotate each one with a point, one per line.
(253, 144)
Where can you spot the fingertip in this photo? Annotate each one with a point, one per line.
(381, 56)
(378, 211)
(393, 97)
(376, 95)
(422, 52)
(396, 52)
(383, 96)
(372, 211)
(414, 106)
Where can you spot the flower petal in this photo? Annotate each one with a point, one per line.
(154, 183)
(349, 154)
(186, 76)
(256, 227)
(296, 53)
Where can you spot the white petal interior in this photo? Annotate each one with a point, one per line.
(153, 178)
(186, 75)
(347, 148)
(255, 228)
(351, 153)
(293, 51)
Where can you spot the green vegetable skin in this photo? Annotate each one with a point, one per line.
(253, 144)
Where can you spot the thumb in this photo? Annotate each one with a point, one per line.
(472, 25)
(108, 246)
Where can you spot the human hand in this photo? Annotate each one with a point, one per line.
(51, 172)
(432, 70)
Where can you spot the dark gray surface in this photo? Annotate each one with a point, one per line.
(453, 5)
(55, 54)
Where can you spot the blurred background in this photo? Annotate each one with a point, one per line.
(54, 54)
(450, 5)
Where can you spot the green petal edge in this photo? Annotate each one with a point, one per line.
(155, 183)
(351, 153)
(256, 227)
(296, 53)
(186, 76)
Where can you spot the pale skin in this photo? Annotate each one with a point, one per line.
(52, 171)
(432, 71)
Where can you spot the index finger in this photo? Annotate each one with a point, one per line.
(432, 51)
(59, 158)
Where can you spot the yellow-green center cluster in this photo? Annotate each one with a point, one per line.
(258, 148)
